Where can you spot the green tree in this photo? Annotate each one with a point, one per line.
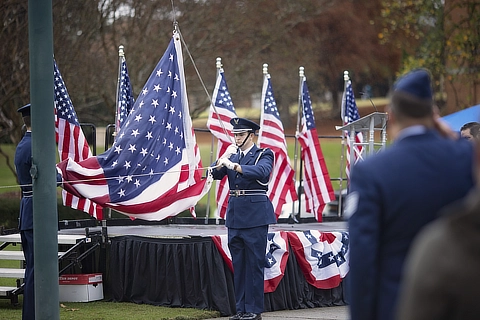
(442, 36)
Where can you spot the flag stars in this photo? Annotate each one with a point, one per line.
(135, 133)
(145, 91)
(169, 74)
(138, 117)
(152, 119)
(172, 110)
(176, 77)
(159, 72)
(155, 103)
(144, 152)
(137, 183)
(121, 193)
(120, 179)
(127, 165)
(132, 148)
(129, 178)
(118, 149)
(170, 146)
(177, 151)
(149, 135)
(170, 58)
(165, 161)
(157, 88)
(157, 158)
(114, 163)
(168, 126)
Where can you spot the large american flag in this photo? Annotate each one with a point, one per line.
(153, 169)
(125, 98)
(281, 188)
(71, 141)
(219, 116)
(350, 114)
(316, 181)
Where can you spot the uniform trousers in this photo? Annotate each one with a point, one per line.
(247, 247)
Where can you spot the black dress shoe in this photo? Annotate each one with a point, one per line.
(252, 316)
(238, 316)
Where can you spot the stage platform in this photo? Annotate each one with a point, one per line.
(200, 230)
(183, 265)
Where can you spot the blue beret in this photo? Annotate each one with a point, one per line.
(243, 125)
(25, 110)
(416, 83)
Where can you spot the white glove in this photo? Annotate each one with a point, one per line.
(227, 163)
(232, 149)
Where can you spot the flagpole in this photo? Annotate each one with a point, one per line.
(121, 56)
(218, 64)
(346, 78)
(301, 74)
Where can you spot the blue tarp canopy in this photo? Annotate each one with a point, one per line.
(458, 119)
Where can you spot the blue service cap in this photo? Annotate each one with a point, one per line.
(416, 83)
(243, 125)
(25, 110)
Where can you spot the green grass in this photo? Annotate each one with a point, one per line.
(102, 310)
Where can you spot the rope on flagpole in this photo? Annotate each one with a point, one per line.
(201, 81)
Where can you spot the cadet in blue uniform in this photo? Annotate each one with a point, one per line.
(23, 163)
(248, 215)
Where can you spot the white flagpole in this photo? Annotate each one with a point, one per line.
(346, 78)
(218, 64)
(301, 74)
(121, 56)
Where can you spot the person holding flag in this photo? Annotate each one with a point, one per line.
(249, 213)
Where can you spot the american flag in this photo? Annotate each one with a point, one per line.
(276, 256)
(350, 114)
(281, 188)
(153, 169)
(322, 256)
(125, 98)
(221, 112)
(316, 181)
(71, 141)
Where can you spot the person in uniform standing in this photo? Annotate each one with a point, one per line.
(395, 193)
(249, 213)
(23, 163)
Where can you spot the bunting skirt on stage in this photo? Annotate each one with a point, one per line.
(191, 272)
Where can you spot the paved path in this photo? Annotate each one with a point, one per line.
(325, 313)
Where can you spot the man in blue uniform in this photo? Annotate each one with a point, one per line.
(248, 215)
(23, 163)
(396, 192)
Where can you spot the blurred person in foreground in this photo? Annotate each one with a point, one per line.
(249, 213)
(470, 131)
(396, 192)
(442, 278)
